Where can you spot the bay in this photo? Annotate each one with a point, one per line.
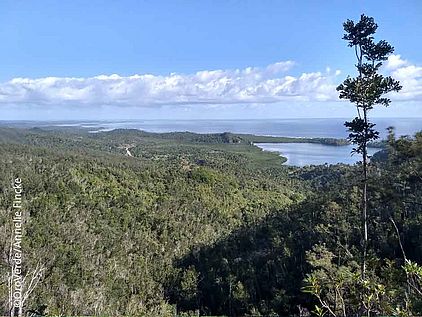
(301, 154)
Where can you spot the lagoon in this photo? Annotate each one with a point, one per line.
(301, 154)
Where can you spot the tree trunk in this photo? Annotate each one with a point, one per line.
(365, 198)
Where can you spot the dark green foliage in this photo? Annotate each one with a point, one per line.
(108, 227)
(366, 90)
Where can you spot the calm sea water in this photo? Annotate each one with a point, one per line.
(333, 128)
(301, 154)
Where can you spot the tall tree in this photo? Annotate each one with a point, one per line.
(365, 91)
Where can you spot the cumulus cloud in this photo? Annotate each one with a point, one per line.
(409, 75)
(250, 85)
(395, 61)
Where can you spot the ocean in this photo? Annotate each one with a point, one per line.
(313, 128)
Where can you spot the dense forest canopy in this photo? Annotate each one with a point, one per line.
(204, 223)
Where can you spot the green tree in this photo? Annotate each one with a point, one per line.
(365, 91)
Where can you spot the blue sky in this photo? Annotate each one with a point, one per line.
(140, 59)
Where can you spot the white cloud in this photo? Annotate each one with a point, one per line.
(250, 85)
(280, 67)
(410, 77)
(395, 61)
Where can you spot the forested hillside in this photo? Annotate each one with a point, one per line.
(134, 223)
